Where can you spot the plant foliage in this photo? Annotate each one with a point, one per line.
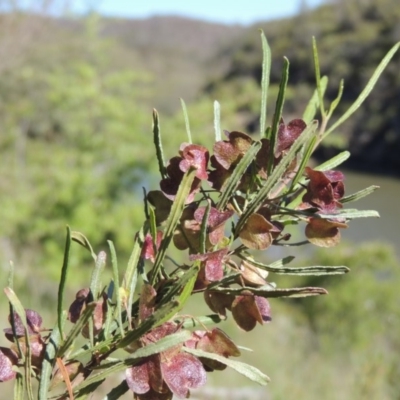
(222, 205)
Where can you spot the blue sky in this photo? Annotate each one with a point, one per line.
(235, 11)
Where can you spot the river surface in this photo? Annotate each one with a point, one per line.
(384, 200)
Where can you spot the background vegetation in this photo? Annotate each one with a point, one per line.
(76, 96)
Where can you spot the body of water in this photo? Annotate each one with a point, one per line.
(384, 200)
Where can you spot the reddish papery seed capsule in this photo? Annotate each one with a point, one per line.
(7, 360)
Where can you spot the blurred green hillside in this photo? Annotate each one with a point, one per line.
(353, 37)
(76, 101)
(76, 96)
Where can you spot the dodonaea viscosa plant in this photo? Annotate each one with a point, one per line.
(220, 205)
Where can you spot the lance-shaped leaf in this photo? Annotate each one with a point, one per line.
(278, 114)
(130, 278)
(244, 369)
(80, 238)
(234, 179)
(313, 105)
(158, 144)
(159, 317)
(118, 391)
(48, 362)
(309, 270)
(265, 76)
(318, 78)
(350, 214)
(360, 194)
(269, 291)
(187, 123)
(27, 354)
(367, 90)
(117, 297)
(75, 331)
(95, 281)
(189, 323)
(217, 121)
(63, 281)
(183, 289)
(173, 220)
(334, 161)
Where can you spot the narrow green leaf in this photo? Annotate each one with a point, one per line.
(17, 306)
(351, 214)
(19, 387)
(87, 350)
(278, 113)
(110, 313)
(75, 331)
(145, 204)
(118, 391)
(14, 301)
(367, 90)
(80, 238)
(203, 228)
(156, 319)
(312, 107)
(318, 77)
(334, 161)
(95, 281)
(187, 124)
(309, 270)
(94, 381)
(87, 392)
(268, 291)
(131, 269)
(63, 281)
(19, 309)
(309, 148)
(154, 348)
(234, 180)
(359, 195)
(158, 145)
(153, 228)
(132, 288)
(48, 362)
(173, 220)
(226, 280)
(217, 121)
(14, 331)
(114, 263)
(182, 288)
(10, 281)
(280, 263)
(246, 370)
(266, 71)
(278, 172)
(188, 283)
(194, 322)
(336, 102)
(162, 345)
